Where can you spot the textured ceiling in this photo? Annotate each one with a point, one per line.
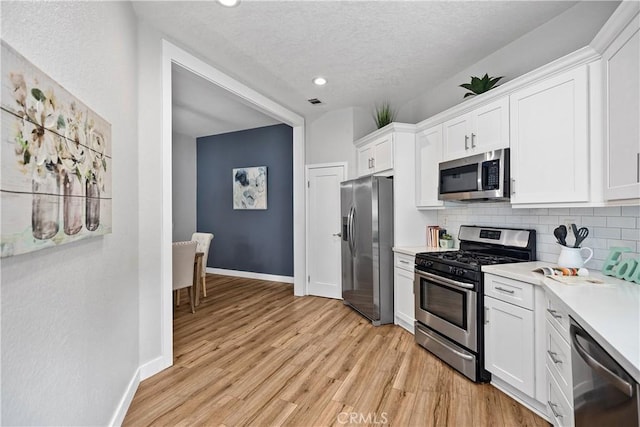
(370, 51)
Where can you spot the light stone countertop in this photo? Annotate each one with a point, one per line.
(609, 312)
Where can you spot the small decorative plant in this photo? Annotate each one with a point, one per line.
(446, 241)
(480, 85)
(384, 115)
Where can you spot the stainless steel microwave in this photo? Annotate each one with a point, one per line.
(481, 177)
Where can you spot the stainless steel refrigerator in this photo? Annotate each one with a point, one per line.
(367, 238)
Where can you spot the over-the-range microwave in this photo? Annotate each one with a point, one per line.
(481, 177)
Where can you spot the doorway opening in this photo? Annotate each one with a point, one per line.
(172, 56)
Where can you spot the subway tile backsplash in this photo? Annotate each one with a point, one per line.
(608, 226)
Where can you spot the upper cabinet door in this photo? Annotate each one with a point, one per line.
(456, 137)
(365, 160)
(483, 129)
(549, 140)
(621, 63)
(491, 126)
(428, 155)
(383, 154)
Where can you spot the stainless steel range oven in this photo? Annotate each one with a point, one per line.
(449, 292)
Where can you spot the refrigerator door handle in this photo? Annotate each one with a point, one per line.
(353, 231)
(350, 229)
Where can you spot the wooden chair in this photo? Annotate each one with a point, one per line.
(184, 254)
(204, 242)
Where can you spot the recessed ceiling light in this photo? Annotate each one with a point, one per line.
(229, 3)
(320, 81)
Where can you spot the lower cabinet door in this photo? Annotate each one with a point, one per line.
(404, 305)
(509, 344)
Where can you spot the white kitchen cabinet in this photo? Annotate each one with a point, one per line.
(484, 129)
(550, 140)
(403, 299)
(515, 340)
(621, 68)
(509, 344)
(364, 158)
(376, 156)
(558, 362)
(428, 155)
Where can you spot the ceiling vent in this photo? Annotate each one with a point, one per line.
(314, 101)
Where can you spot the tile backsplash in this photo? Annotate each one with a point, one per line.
(608, 226)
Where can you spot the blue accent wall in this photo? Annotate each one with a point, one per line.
(259, 241)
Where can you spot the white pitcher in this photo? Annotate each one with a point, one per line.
(572, 257)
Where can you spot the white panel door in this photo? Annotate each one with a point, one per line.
(550, 140)
(323, 255)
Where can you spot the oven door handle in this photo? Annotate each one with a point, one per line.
(444, 280)
(448, 347)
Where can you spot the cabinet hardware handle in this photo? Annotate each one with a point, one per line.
(402, 261)
(373, 162)
(509, 291)
(486, 315)
(473, 140)
(552, 406)
(466, 142)
(553, 355)
(337, 234)
(513, 186)
(554, 314)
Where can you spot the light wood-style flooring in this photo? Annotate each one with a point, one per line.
(255, 355)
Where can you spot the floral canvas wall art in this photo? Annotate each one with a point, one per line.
(250, 188)
(55, 154)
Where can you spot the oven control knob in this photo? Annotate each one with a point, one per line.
(456, 271)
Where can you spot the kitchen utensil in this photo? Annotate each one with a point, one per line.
(572, 257)
(581, 234)
(561, 234)
(574, 230)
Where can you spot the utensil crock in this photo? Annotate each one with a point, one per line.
(572, 257)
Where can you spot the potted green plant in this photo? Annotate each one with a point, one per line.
(446, 241)
(480, 85)
(384, 115)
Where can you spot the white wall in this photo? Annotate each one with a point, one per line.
(569, 31)
(608, 227)
(330, 137)
(184, 186)
(151, 191)
(70, 314)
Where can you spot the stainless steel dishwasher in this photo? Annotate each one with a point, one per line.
(603, 393)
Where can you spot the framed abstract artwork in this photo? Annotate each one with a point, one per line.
(55, 153)
(250, 188)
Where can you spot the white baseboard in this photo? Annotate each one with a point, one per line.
(123, 406)
(529, 402)
(154, 366)
(404, 322)
(250, 275)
